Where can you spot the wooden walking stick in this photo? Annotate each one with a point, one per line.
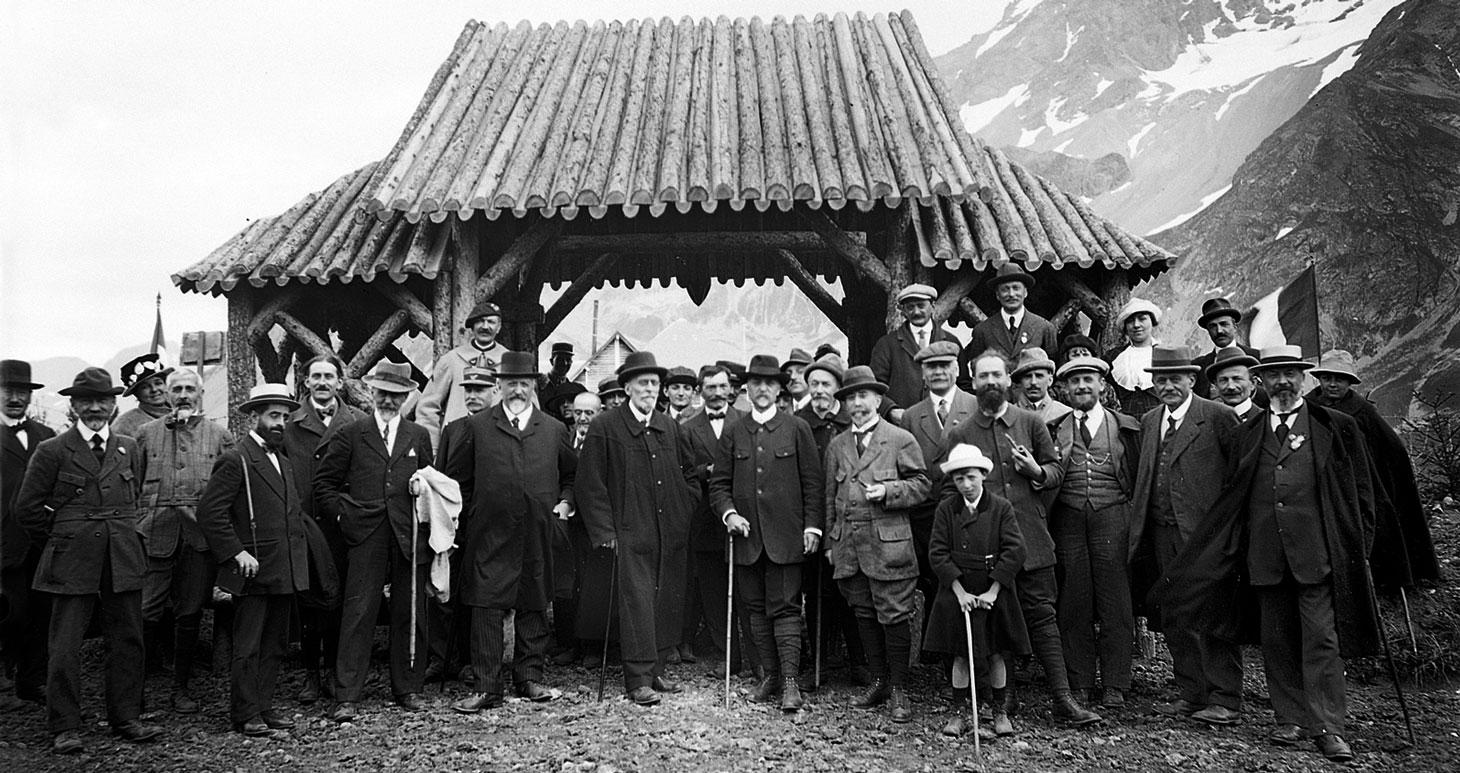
(415, 546)
(1408, 621)
(820, 645)
(1388, 655)
(729, 608)
(608, 625)
(972, 682)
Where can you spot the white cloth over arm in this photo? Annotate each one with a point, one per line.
(438, 503)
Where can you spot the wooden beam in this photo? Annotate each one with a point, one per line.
(301, 333)
(241, 363)
(268, 358)
(868, 265)
(374, 346)
(441, 299)
(899, 249)
(517, 256)
(957, 291)
(1094, 305)
(812, 289)
(466, 268)
(1063, 317)
(576, 292)
(263, 319)
(700, 242)
(404, 299)
(972, 314)
(1116, 295)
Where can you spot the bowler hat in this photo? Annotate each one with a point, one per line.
(637, 364)
(1338, 362)
(858, 378)
(92, 382)
(390, 377)
(798, 356)
(141, 368)
(766, 366)
(1011, 272)
(965, 456)
(832, 364)
(1285, 356)
(917, 292)
(1083, 365)
(610, 386)
(1217, 307)
(268, 394)
(517, 365)
(1226, 357)
(475, 376)
(1172, 359)
(566, 392)
(681, 375)
(937, 351)
(562, 347)
(16, 373)
(1136, 306)
(483, 309)
(1033, 358)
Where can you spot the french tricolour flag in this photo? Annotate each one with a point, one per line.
(1288, 315)
(159, 343)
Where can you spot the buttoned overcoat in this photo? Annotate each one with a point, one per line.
(883, 549)
(362, 485)
(272, 531)
(771, 475)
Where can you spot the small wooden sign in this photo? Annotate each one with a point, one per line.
(202, 348)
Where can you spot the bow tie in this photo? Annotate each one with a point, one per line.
(325, 413)
(716, 416)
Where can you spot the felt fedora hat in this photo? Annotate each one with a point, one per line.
(483, 309)
(1172, 359)
(1338, 362)
(798, 356)
(681, 375)
(937, 351)
(917, 292)
(92, 382)
(610, 386)
(858, 378)
(1032, 359)
(1011, 272)
(1285, 356)
(1216, 308)
(517, 365)
(1226, 357)
(16, 374)
(768, 367)
(831, 363)
(474, 376)
(268, 394)
(141, 368)
(965, 456)
(639, 363)
(1083, 365)
(390, 377)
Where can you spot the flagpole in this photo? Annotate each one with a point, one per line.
(1318, 308)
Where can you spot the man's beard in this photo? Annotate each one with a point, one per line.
(991, 397)
(273, 436)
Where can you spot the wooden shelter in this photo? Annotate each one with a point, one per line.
(814, 151)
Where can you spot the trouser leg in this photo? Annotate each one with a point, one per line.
(272, 645)
(783, 609)
(529, 645)
(710, 586)
(70, 615)
(1107, 538)
(893, 602)
(637, 600)
(121, 627)
(27, 629)
(1323, 684)
(369, 565)
(857, 591)
(1075, 611)
(486, 649)
(1037, 599)
(1282, 653)
(250, 615)
(1186, 658)
(750, 584)
(407, 677)
(193, 578)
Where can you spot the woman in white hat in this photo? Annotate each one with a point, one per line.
(976, 551)
(1137, 321)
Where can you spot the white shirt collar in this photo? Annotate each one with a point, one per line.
(521, 417)
(974, 504)
(1243, 407)
(801, 403)
(868, 426)
(1018, 317)
(260, 440)
(105, 433)
(9, 422)
(381, 424)
(642, 417)
(1272, 414)
(763, 417)
(1180, 413)
(1096, 418)
(925, 329)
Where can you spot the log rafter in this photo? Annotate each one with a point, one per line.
(807, 283)
(510, 264)
(406, 300)
(867, 264)
(580, 287)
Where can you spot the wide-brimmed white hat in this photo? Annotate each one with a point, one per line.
(964, 456)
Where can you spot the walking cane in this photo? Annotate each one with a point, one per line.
(415, 546)
(608, 625)
(820, 602)
(1388, 655)
(1408, 621)
(729, 607)
(972, 682)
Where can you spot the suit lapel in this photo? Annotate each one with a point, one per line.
(907, 340)
(12, 443)
(263, 468)
(403, 442)
(1322, 438)
(81, 451)
(115, 456)
(373, 438)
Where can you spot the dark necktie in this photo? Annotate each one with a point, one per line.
(1013, 331)
(922, 340)
(98, 448)
(942, 412)
(861, 438)
(1282, 427)
(385, 436)
(1085, 436)
(1170, 429)
(517, 423)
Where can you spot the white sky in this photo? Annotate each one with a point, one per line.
(136, 137)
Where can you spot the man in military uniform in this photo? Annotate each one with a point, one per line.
(441, 401)
(79, 500)
(559, 362)
(144, 377)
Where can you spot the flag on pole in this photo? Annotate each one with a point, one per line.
(1288, 315)
(159, 343)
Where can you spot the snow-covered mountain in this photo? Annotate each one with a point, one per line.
(1184, 90)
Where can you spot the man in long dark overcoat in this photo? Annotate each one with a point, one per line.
(635, 491)
(1294, 525)
(23, 632)
(251, 515)
(79, 501)
(515, 465)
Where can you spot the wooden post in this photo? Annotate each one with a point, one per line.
(898, 255)
(1116, 294)
(241, 363)
(862, 330)
(442, 298)
(466, 268)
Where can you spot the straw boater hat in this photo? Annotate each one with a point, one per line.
(938, 351)
(917, 292)
(16, 375)
(268, 394)
(140, 369)
(1083, 365)
(1227, 357)
(1172, 359)
(610, 386)
(483, 309)
(474, 376)
(798, 356)
(92, 382)
(517, 365)
(1338, 362)
(1032, 359)
(390, 377)
(1011, 272)
(1285, 356)
(637, 364)
(858, 378)
(1215, 308)
(964, 456)
(681, 375)
(831, 363)
(768, 367)
(1134, 307)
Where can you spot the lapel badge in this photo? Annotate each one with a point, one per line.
(1023, 338)
(1296, 441)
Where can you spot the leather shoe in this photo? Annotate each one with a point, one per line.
(901, 709)
(1333, 747)
(1067, 710)
(644, 695)
(534, 691)
(137, 732)
(875, 695)
(1217, 715)
(1177, 708)
(183, 702)
(955, 727)
(344, 712)
(411, 701)
(567, 657)
(309, 693)
(664, 684)
(791, 699)
(253, 726)
(276, 720)
(1114, 698)
(687, 654)
(768, 690)
(1286, 735)
(67, 742)
(475, 702)
(1002, 725)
